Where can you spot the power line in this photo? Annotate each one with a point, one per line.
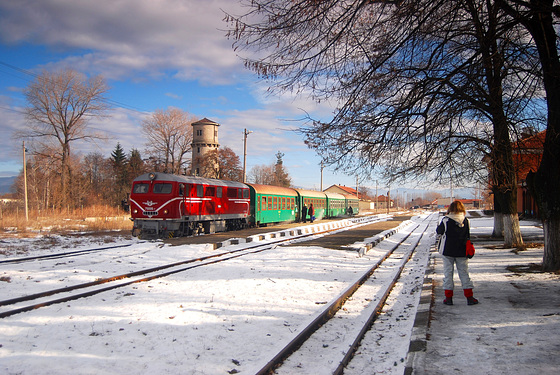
(108, 101)
(12, 110)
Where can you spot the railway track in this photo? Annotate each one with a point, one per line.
(68, 254)
(73, 292)
(327, 344)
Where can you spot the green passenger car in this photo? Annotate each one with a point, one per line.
(352, 204)
(272, 204)
(336, 204)
(309, 197)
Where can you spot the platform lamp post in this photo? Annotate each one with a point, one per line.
(25, 184)
(245, 134)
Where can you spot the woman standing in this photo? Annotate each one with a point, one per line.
(455, 231)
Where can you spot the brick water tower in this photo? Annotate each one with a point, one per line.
(205, 139)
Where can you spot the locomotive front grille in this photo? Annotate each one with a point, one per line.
(150, 213)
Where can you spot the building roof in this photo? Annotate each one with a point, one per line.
(346, 189)
(205, 121)
(383, 198)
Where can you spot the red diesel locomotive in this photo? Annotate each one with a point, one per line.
(166, 205)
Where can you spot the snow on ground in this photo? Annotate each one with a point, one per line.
(232, 317)
(515, 328)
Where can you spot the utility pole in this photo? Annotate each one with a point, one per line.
(376, 197)
(388, 200)
(322, 167)
(245, 134)
(25, 184)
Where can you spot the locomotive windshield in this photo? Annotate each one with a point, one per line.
(140, 188)
(162, 188)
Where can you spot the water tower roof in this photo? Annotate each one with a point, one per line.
(205, 121)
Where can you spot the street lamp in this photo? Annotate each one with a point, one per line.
(245, 134)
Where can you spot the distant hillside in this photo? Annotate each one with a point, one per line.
(6, 183)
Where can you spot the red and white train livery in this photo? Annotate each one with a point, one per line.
(171, 205)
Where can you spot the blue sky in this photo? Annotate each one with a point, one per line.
(154, 54)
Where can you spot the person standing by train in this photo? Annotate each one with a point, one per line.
(304, 213)
(311, 212)
(454, 229)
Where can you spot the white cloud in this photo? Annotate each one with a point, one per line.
(126, 37)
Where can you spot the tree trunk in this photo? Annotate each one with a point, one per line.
(544, 185)
(509, 219)
(498, 231)
(512, 232)
(551, 257)
(504, 177)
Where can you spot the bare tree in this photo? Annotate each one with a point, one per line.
(223, 164)
(98, 173)
(274, 174)
(425, 88)
(540, 19)
(170, 137)
(262, 174)
(60, 106)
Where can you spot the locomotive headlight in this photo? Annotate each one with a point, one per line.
(165, 212)
(135, 211)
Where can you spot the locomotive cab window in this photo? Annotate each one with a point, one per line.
(219, 192)
(210, 191)
(163, 188)
(246, 193)
(232, 193)
(141, 188)
(199, 191)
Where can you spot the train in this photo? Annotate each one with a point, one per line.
(165, 205)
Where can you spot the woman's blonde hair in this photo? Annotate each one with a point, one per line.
(457, 207)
